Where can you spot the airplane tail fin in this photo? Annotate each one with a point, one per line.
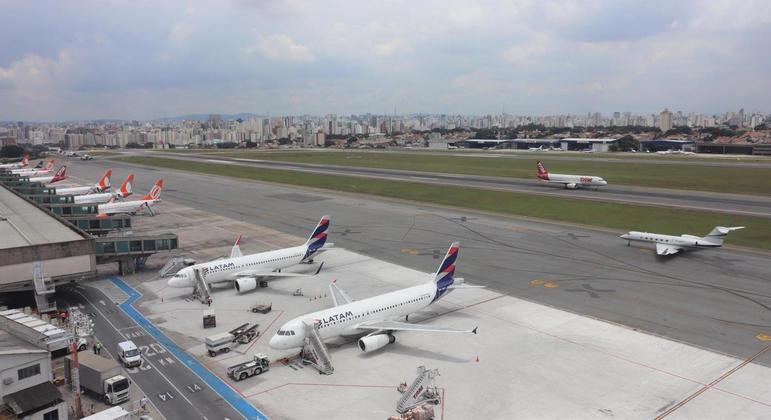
(445, 274)
(126, 187)
(25, 160)
(718, 234)
(104, 181)
(540, 171)
(236, 250)
(59, 175)
(50, 164)
(318, 238)
(154, 193)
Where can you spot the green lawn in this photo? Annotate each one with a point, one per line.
(740, 180)
(622, 217)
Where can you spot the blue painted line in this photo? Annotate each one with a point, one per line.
(218, 385)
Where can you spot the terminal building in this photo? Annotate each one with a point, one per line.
(47, 240)
(566, 144)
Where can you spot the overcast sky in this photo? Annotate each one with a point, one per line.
(62, 60)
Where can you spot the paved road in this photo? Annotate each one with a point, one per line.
(717, 202)
(172, 387)
(718, 299)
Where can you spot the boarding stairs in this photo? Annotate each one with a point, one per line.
(314, 351)
(201, 289)
(44, 290)
(422, 390)
(173, 265)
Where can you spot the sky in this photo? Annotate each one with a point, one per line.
(75, 60)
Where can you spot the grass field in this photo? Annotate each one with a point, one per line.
(622, 217)
(739, 180)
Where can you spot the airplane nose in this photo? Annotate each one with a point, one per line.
(275, 342)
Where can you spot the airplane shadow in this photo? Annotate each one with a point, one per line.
(414, 352)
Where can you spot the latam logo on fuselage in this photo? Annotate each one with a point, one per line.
(218, 267)
(336, 318)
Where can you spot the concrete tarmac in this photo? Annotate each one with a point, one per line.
(717, 299)
(759, 206)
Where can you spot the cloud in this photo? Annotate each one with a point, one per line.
(393, 47)
(283, 48)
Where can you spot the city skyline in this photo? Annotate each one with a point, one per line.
(90, 60)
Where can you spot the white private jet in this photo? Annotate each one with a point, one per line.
(50, 179)
(133, 206)
(535, 149)
(124, 191)
(244, 271)
(15, 165)
(375, 315)
(670, 244)
(35, 171)
(101, 186)
(570, 182)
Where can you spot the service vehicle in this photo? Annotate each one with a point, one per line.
(129, 354)
(256, 366)
(100, 376)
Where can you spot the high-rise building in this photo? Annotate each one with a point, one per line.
(665, 120)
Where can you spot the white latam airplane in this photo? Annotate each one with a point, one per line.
(35, 171)
(124, 191)
(244, 271)
(15, 165)
(569, 181)
(670, 244)
(101, 186)
(50, 179)
(376, 315)
(133, 206)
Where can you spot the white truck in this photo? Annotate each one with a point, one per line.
(129, 354)
(100, 376)
(256, 366)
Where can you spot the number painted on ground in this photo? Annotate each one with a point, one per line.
(146, 350)
(144, 367)
(158, 348)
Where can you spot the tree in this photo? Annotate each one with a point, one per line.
(626, 143)
(11, 151)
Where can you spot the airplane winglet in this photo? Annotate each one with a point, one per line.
(474, 330)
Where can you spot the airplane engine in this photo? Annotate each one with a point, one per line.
(571, 186)
(375, 342)
(245, 284)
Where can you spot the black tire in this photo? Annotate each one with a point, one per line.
(212, 354)
(226, 350)
(82, 347)
(242, 376)
(258, 371)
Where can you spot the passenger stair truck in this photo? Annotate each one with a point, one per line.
(423, 389)
(256, 366)
(100, 376)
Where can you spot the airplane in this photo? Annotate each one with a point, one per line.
(133, 206)
(50, 179)
(124, 191)
(535, 149)
(244, 271)
(35, 171)
(570, 182)
(15, 165)
(375, 315)
(670, 244)
(101, 186)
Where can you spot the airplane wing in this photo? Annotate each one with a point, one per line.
(664, 249)
(273, 274)
(339, 297)
(406, 326)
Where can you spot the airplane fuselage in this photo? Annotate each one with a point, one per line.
(228, 269)
(76, 190)
(342, 320)
(685, 241)
(125, 206)
(94, 198)
(574, 181)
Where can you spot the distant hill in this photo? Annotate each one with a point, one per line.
(204, 117)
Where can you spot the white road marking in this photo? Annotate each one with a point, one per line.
(170, 361)
(102, 302)
(220, 161)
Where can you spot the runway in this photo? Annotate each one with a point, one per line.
(747, 205)
(716, 299)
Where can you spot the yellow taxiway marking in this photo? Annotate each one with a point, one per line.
(646, 250)
(409, 251)
(537, 282)
(763, 337)
(551, 285)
